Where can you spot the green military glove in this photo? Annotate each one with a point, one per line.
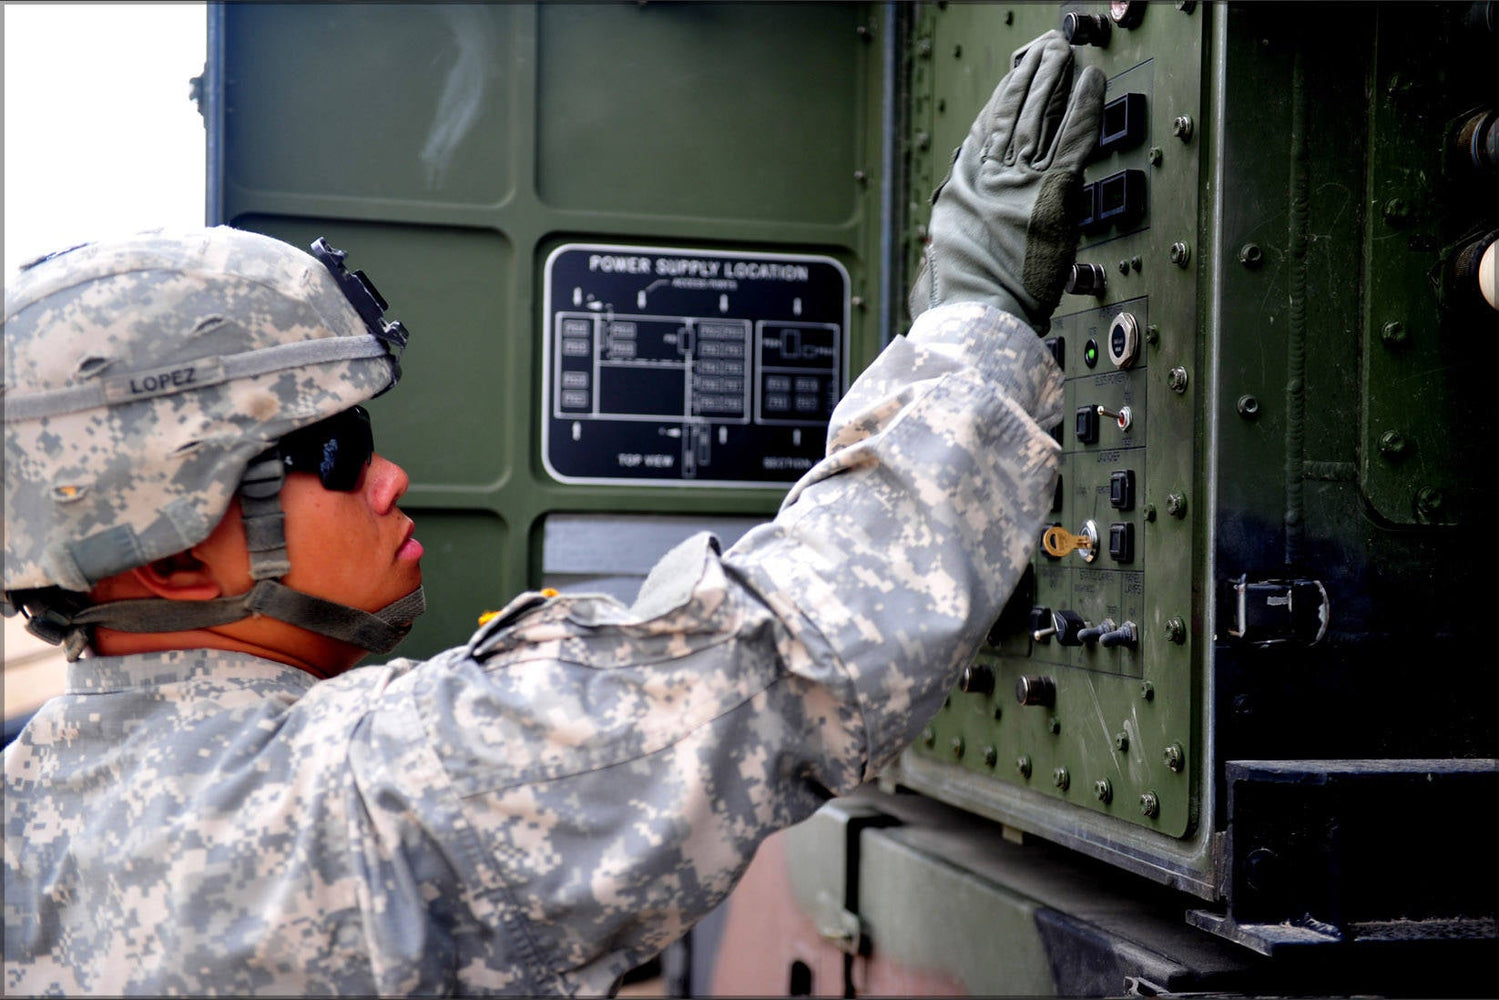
(1004, 225)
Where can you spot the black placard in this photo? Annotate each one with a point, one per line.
(690, 366)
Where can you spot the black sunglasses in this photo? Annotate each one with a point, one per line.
(368, 302)
(337, 449)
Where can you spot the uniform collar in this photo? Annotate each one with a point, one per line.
(106, 674)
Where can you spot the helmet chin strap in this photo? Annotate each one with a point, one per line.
(260, 502)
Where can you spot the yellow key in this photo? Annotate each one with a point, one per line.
(1058, 541)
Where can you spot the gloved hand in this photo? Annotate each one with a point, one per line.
(1004, 225)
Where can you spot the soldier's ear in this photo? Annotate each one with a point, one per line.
(180, 577)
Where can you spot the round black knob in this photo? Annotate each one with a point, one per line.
(1085, 29)
(977, 679)
(1035, 689)
(1086, 279)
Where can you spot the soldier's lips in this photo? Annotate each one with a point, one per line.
(410, 549)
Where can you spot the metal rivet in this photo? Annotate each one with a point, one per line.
(1103, 791)
(1177, 379)
(1181, 127)
(1150, 805)
(1248, 407)
(1124, 267)
(1154, 156)
(1149, 511)
(1394, 333)
(991, 756)
(1397, 210)
(1152, 332)
(860, 176)
(1061, 778)
(1392, 443)
(929, 736)
(1135, 262)
(1176, 630)
(1023, 765)
(1121, 741)
(1147, 690)
(1429, 500)
(1054, 725)
(956, 746)
(1174, 757)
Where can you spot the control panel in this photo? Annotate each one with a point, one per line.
(1083, 693)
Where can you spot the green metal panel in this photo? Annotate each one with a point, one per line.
(451, 148)
(1117, 710)
(1306, 407)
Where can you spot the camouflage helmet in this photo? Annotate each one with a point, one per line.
(143, 377)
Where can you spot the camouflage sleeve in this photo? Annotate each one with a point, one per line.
(617, 767)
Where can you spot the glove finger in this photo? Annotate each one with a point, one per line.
(1044, 105)
(995, 125)
(1077, 136)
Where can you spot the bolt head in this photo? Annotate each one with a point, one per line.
(956, 746)
(1394, 333)
(929, 736)
(1250, 255)
(1177, 379)
(1176, 630)
(1147, 690)
(1023, 765)
(1392, 443)
(991, 756)
(1154, 156)
(1061, 778)
(1174, 757)
(1150, 805)
(1176, 504)
(1102, 790)
(1121, 741)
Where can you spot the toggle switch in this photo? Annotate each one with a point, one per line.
(1123, 416)
(1093, 633)
(1124, 635)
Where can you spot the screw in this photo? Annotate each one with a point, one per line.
(857, 301)
(1147, 690)
(1176, 504)
(1248, 407)
(860, 176)
(956, 746)
(1054, 725)
(1429, 500)
(923, 140)
(1394, 333)
(1150, 805)
(1174, 756)
(991, 756)
(1023, 765)
(1152, 332)
(1121, 741)
(1154, 156)
(1124, 267)
(1392, 443)
(1149, 512)
(929, 736)
(1181, 127)
(1396, 210)
(1176, 630)
(1180, 253)
(1103, 791)
(1250, 255)
(1061, 778)
(1177, 379)
(1135, 262)
(957, 52)
(924, 48)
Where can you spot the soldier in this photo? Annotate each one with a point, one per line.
(192, 498)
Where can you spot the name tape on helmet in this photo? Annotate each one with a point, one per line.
(164, 381)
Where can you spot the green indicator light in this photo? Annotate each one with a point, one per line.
(1090, 353)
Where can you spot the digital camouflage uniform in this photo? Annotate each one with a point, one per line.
(540, 810)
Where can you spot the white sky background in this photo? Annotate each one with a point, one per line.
(101, 136)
